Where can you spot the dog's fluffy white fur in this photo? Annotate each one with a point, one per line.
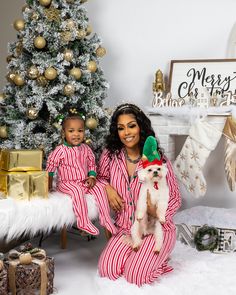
(143, 223)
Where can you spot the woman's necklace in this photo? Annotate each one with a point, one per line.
(130, 160)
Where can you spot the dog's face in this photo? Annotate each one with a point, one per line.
(153, 173)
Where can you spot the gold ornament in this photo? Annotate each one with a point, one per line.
(92, 66)
(69, 89)
(81, 34)
(19, 24)
(32, 113)
(52, 14)
(33, 72)
(76, 73)
(34, 16)
(66, 36)
(50, 73)
(88, 141)
(45, 2)
(25, 258)
(42, 81)
(91, 123)
(39, 42)
(18, 80)
(3, 132)
(10, 77)
(70, 24)
(68, 54)
(89, 30)
(101, 51)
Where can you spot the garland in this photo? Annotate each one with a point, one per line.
(206, 238)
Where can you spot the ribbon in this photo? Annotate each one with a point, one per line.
(156, 185)
(38, 257)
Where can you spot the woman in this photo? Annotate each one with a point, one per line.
(118, 168)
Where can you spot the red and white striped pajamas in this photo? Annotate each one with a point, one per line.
(118, 258)
(73, 164)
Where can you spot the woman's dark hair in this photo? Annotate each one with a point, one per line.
(113, 143)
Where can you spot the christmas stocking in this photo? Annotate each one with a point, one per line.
(188, 166)
(230, 152)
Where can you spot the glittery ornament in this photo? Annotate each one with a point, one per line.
(39, 42)
(19, 24)
(101, 51)
(52, 14)
(50, 73)
(3, 132)
(92, 66)
(69, 89)
(91, 123)
(76, 73)
(68, 54)
(33, 72)
(66, 36)
(32, 113)
(81, 34)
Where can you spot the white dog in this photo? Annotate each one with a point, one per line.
(153, 176)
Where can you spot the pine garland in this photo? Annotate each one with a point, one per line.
(206, 238)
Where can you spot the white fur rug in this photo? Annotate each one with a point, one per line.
(38, 215)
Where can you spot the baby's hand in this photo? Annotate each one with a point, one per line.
(90, 181)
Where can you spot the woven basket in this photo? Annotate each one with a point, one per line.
(28, 278)
(3, 281)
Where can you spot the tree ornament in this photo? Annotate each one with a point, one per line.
(39, 42)
(69, 89)
(34, 16)
(91, 123)
(19, 48)
(2, 96)
(33, 72)
(68, 54)
(19, 24)
(52, 14)
(25, 258)
(88, 141)
(76, 73)
(92, 66)
(206, 238)
(18, 80)
(45, 2)
(10, 77)
(3, 132)
(66, 36)
(57, 126)
(89, 30)
(70, 24)
(42, 81)
(50, 73)
(81, 34)
(32, 113)
(101, 51)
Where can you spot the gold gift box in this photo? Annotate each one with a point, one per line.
(24, 185)
(21, 160)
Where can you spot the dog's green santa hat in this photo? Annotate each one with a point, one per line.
(151, 156)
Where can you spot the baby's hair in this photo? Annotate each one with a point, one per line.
(73, 114)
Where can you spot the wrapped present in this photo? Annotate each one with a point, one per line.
(3, 277)
(21, 160)
(24, 185)
(30, 272)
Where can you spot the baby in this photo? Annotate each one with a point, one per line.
(76, 175)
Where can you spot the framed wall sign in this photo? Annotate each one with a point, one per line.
(187, 77)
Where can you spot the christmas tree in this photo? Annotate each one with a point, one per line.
(53, 67)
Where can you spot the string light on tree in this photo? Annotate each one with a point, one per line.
(101, 51)
(39, 42)
(3, 132)
(76, 73)
(50, 73)
(19, 24)
(68, 55)
(91, 123)
(92, 66)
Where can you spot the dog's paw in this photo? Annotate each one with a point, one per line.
(139, 216)
(162, 219)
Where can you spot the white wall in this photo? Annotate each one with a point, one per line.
(142, 36)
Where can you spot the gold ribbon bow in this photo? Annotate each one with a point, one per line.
(38, 257)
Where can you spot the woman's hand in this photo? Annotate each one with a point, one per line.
(151, 209)
(115, 201)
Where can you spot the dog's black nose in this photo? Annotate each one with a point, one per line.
(155, 173)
